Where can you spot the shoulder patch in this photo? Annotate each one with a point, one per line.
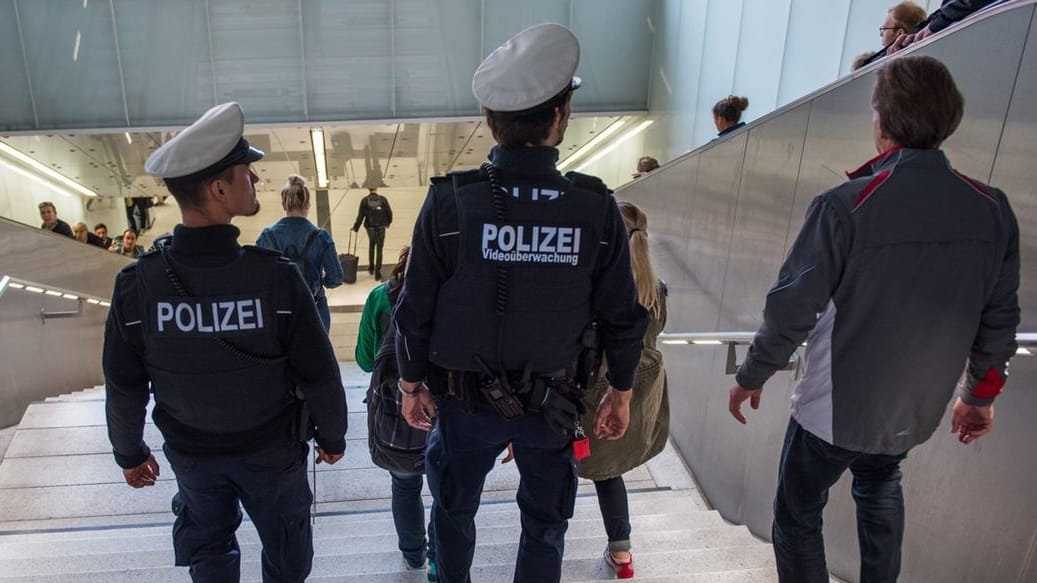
(588, 182)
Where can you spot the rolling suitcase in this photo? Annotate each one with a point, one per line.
(349, 260)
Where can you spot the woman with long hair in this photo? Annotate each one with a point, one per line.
(309, 246)
(649, 407)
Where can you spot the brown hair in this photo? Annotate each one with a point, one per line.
(191, 193)
(531, 126)
(907, 16)
(44, 205)
(399, 273)
(731, 108)
(917, 102)
(295, 196)
(636, 222)
(647, 164)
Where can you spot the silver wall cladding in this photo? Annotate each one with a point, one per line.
(41, 358)
(721, 220)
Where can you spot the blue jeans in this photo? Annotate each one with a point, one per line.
(615, 512)
(408, 515)
(270, 484)
(462, 449)
(809, 467)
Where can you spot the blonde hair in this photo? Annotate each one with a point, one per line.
(907, 16)
(295, 196)
(636, 223)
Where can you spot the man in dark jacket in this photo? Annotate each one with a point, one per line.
(948, 13)
(375, 215)
(898, 279)
(225, 337)
(51, 222)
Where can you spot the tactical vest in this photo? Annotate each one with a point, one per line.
(548, 245)
(215, 357)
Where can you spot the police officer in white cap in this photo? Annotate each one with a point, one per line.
(227, 337)
(509, 266)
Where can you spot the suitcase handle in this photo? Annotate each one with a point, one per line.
(351, 243)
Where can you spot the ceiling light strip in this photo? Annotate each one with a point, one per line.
(582, 151)
(319, 157)
(615, 144)
(13, 154)
(9, 282)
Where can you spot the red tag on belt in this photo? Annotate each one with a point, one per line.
(581, 449)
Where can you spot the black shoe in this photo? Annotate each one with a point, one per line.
(370, 271)
(378, 276)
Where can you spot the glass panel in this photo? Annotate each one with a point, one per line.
(348, 59)
(813, 50)
(71, 56)
(16, 114)
(615, 67)
(437, 51)
(167, 82)
(761, 47)
(719, 58)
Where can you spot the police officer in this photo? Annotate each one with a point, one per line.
(509, 265)
(226, 336)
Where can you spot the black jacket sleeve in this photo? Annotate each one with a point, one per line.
(995, 339)
(621, 318)
(360, 214)
(954, 10)
(416, 307)
(313, 366)
(388, 212)
(805, 285)
(126, 378)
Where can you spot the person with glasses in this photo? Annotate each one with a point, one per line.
(903, 18)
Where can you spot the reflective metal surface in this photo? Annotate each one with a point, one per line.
(721, 220)
(42, 358)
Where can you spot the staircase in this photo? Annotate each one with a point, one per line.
(65, 514)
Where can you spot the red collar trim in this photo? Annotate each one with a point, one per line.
(867, 168)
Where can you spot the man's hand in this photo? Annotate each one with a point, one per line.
(905, 40)
(739, 395)
(613, 414)
(143, 475)
(971, 422)
(419, 409)
(328, 458)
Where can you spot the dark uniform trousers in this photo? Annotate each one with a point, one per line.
(462, 449)
(271, 485)
(376, 241)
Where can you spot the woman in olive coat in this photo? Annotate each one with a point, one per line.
(649, 408)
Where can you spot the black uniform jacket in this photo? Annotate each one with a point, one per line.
(203, 378)
(434, 260)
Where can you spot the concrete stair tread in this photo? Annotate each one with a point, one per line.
(378, 553)
(493, 563)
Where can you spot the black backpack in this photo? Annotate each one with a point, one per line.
(298, 257)
(394, 445)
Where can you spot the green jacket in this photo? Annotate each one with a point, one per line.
(373, 322)
(649, 412)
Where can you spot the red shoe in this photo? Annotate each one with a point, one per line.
(624, 569)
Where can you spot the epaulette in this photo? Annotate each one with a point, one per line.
(263, 251)
(466, 177)
(588, 182)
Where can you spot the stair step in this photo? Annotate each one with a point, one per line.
(378, 553)
(582, 563)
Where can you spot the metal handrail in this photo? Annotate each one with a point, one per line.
(1025, 340)
(9, 282)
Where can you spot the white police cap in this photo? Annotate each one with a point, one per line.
(529, 69)
(206, 147)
